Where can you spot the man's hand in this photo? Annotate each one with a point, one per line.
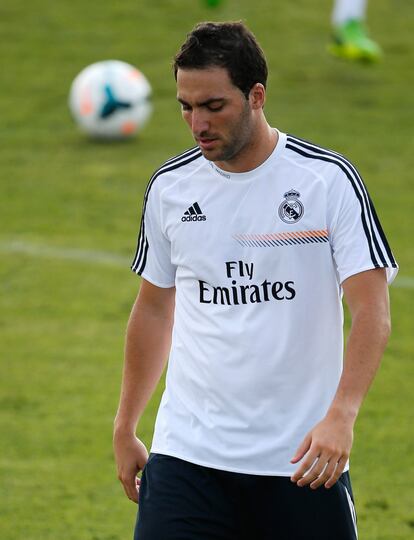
(147, 344)
(325, 449)
(131, 457)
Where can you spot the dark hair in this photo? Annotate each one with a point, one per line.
(230, 45)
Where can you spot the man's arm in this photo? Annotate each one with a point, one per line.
(328, 445)
(148, 341)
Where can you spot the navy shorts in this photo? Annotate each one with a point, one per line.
(179, 500)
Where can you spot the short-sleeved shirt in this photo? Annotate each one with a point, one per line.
(257, 259)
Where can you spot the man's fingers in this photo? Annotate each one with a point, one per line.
(306, 465)
(315, 470)
(131, 486)
(132, 496)
(325, 475)
(337, 473)
(323, 471)
(303, 448)
(131, 493)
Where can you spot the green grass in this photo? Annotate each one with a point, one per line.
(62, 320)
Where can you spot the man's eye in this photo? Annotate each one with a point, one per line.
(185, 107)
(215, 108)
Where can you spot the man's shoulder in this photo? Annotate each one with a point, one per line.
(175, 168)
(314, 154)
(178, 165)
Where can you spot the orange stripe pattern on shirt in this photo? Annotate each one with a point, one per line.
(282, 239)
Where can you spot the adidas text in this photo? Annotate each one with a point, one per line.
(194, 218)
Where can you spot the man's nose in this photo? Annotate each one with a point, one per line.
(199, 122)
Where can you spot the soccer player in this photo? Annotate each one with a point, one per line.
(350, 38)
(247, 243)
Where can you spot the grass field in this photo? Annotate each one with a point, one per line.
(69, 215)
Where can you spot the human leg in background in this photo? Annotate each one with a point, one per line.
(350, 39)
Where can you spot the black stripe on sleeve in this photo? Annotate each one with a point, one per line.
(140, 258)
(144, 258)
(382, 234)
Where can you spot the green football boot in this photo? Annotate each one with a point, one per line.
(350, 41)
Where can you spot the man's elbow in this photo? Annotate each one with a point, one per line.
(375, 324)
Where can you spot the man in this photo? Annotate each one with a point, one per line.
(350, 38)
(246, 244)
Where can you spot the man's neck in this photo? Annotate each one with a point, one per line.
(255, 153)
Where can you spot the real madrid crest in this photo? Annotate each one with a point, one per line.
(291, 209)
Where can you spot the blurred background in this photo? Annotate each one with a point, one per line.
(70, 210)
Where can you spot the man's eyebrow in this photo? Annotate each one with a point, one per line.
(202, 103)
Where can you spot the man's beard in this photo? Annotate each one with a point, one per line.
(239, 137)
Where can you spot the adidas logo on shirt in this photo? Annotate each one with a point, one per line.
(194, 213)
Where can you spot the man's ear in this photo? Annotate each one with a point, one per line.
(257, 96)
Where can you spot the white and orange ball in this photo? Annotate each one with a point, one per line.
(110, 99)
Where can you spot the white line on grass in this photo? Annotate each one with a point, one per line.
(71, 254)
(108, 258)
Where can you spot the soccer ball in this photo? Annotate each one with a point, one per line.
(110, 99)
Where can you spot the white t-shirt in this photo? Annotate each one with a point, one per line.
(257, 259)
